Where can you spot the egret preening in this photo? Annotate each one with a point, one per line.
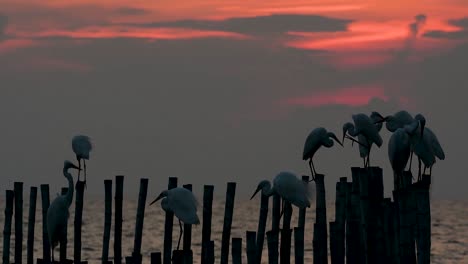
(397, 120)
(362, 141)
(182, 203)
(57, 214)
(82, 146)
(363, 125)
(289, 187)
(317, 138)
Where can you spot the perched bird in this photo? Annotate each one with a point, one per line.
(82, 145)
(397, 120)
(182, 203)
(399, 147)
(317, 138)
(362, 141)
(363, 125)
(289, 187)
(57, 214)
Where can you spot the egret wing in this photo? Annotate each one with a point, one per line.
(184, 205)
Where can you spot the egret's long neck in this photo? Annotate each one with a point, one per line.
(165, 205)
(268, 191)
(351, 130)
(71, 188)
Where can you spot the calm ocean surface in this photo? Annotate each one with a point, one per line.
(449, 229)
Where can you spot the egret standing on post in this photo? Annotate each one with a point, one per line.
(362, 141)
(317, 138)
(363, 125)
(82, 146)
(288, 187)
(182, 203)
(57, 214)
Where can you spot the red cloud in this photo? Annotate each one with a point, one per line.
(352, 96)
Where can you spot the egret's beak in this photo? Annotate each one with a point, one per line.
(258, 189)
(384, 119)
(336, 139)
(157, 199)
(344, 135)
(73, 166)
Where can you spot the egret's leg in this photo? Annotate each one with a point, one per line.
(312, 169)
(282, 208)
(430, 171)
(181, 232)
(79, 166)
(364, 159)
(84, 163)
(52, 255)
(419, 168)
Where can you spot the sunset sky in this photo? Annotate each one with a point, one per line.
(217, 91)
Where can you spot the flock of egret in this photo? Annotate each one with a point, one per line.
(409, 135)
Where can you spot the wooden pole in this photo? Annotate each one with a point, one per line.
(423, 220)
(302, 212)
(210, 252)
(320, 229)
(119, 181)
(395, 222)
(31, 224)
(168, 223)
(228, 212)
(401, 197)
(64, 240)
(275, 224)
(353, 219)
(364, 206)
(285, 247)
(45, 238)
(107, 220)
(156, 258)
(136, 255)
(9, 197)
(299, 245)
(206, 227)
(187, 229)
(388, 256)
(236, 250)
(272, 239)
(375, 224)
(251, 247)
(18, 188)
(340, 220)
(262, 226)
(78, 220)
(333, 242)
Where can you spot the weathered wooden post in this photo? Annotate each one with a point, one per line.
(31, 224)
(261, 226)
(168, 223)
(64, 240)
(107, 220)
(285, 247)
(45, 239)
(401, 197)
(375, 216)
(78, 220)
(210, 252)
(353, 235)
(299, 245)
(136, 254)
(388, 256)
(18, 188)
(236, 250)
(364, 207)
(395, 224)
(333, 242)
(187, 243)
(119, 180)
(273, 240)
(156, 258)
(228, 212)
(251, 247)
(206, 227)
(320, 245)
(275, 226)
(340, 220)
(9, 197)
(423, 220)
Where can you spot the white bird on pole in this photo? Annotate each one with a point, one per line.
(182, 203)
(82, 145)
(317, 138)
(362, 141)
(397, 120)
(57, 213)
(289, 187)
(363, 125)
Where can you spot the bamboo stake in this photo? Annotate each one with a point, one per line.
(9, 197)
(31, 224)
(228, 212)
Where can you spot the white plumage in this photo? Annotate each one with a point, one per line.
(317, 138)
(363, 149)
(289, 187)
(182, 203)
(399, 148)
(82, 146)
(57, 213)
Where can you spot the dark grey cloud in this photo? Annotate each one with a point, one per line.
(132, 11)
(271, 24)
(3, 25)
(461, 34)
(416, 26)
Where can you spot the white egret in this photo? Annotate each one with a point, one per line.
(182, 203)
(317, 138)
(57, 214)
(363, 125)
(397, 120)
(362, 141)
(82, 145)
(289, 187)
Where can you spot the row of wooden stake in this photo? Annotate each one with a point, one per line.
(367, 227)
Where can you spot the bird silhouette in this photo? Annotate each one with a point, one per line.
(317, 138)
(289, 187)
(363, 125)
(182, 203)
(57, 213)
(362, 141)
(82, 145)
